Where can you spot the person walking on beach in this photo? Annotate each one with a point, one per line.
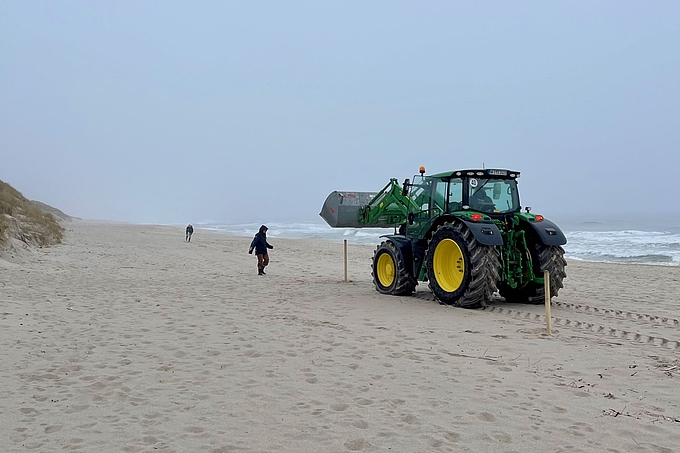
(189, 232)
(260, 245)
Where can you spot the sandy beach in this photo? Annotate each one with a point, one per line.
(125, 338)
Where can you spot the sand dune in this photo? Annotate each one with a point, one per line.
(127, 339)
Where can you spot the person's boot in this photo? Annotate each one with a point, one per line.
(260, 271)
(263, 272)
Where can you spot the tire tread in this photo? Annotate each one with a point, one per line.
(406, 283)
(484, 267)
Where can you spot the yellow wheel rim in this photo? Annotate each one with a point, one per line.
(449, 265)
(385, 270)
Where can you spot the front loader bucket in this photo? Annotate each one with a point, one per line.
(342, 209)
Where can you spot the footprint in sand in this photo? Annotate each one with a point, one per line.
(356, 445)
(52, 429)
(451, 436)
(409, 418)
(361, 424)
(500, 436)
(485, 416)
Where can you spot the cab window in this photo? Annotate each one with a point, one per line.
(420, 193)
(455, 195)
(440, 193)
(493, 196)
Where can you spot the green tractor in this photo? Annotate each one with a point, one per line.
(463, 232)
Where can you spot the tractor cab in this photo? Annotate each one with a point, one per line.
(488, 191)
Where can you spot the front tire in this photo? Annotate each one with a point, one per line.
(461, 271)
(390, 271)
(543, 257)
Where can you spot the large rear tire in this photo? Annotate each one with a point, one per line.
(460, 270)
(543, 257)
(390, 272)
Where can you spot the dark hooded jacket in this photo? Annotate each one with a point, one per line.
(260, 243)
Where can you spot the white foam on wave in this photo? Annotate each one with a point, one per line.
(626, 246)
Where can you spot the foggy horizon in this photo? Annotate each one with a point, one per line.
(229, 112)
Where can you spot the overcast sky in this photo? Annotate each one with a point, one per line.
(177, 112)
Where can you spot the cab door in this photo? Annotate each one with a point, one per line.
(430, 199)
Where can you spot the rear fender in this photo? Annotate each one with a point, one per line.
(485, 233)
(548, 233)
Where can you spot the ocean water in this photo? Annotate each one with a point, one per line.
(639, 240)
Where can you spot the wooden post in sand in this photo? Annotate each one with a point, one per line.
(546, 288)
(345, 260)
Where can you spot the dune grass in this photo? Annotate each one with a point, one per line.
(22, 219)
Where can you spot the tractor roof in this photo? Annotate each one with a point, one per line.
(488, 172)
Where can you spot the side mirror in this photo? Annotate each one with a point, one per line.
(496, 190)
(405, 187)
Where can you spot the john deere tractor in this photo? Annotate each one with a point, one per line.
(463, 232)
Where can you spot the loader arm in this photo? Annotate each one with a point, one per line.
(388, 208)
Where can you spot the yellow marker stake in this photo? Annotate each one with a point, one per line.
(546, 288)
(345, 260)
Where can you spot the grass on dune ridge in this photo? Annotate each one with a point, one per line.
(25, 220)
